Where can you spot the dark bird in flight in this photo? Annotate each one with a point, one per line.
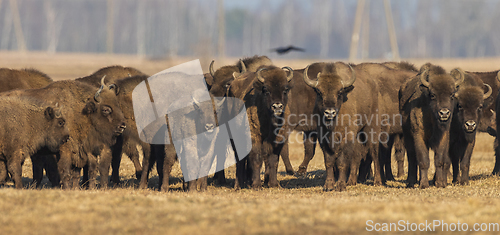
(284, 50)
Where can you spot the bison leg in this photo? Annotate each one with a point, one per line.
(355, 162)
(3, 172)
(286, 159)
(168, 162)
(496, 169)
(147, 162)
(310, 139)
(116, 159)
(241, 173)
(385, 158)
(104, 164)
(440, 158)
(422, 153)
(255, 160)
(273, 160)
(37, 166)
(399, 153)
(92, 172)
(329, 166)
(465, 164)
(15, 168)
(202, 183)
(412, 161)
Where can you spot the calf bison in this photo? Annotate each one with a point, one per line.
(470, 98)
(27, 126)
(427, 104)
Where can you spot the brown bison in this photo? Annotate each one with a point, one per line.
(470, 98)
(265, 94)
(339, 101)
(126, 79)
(11, 79)
(28, 125)
(427, 106)
(94, 120)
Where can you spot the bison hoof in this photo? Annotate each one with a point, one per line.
(328, 186)
(424, 185)
(377, 183)
(290, 172)
(351, 182)
(340, 186)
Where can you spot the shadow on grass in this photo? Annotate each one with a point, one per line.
(310, 180)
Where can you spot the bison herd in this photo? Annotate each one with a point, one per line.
(75, 129)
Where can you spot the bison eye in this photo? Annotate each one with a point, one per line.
(264, 90)
(106, 110)
(460, 107)
(227, 85)
(286, 91)
(433, 96)
(480, 107)
(61, 123)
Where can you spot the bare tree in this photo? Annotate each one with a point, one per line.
(21, 43)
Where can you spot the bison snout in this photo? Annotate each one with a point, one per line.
(444, 115)
(209, 127)
(470, 126)
(277, 109)
(65, 139)
(330, 113)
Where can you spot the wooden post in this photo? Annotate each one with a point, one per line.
(392, 30)
(355, 32)
(21, 43)
(365, 41)
(110, 23)
(222, 30)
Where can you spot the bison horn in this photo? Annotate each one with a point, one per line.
(102, 80)
(461, 77)
(307, 80)
(423, 78)
(221, 102)
(290, 75)
(196, 103)
(488, 93)
(261, 79)
(211, 68)
(243, 67)
(352, 80)
(498, 76)
(98, 93)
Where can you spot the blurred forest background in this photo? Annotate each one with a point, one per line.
(167, 29)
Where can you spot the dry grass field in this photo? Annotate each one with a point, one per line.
(298, 207)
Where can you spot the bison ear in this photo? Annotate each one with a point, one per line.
(89, 108)
(49, 113)
(348, 89)
(424, 89)
(115, 88)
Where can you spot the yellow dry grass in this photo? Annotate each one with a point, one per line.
(299, 207)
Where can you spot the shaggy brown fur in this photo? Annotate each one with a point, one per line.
(266, 104)
(27, 126)
(489, 78)
(93, 124)
(11, 79)
(337, 99)
(470, 98)
(126, 78)
(427, 110)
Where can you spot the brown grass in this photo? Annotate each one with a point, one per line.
(299, 207)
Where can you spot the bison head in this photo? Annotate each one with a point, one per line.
(470, 101)
(223, 77)
(332, 87)
(274, 84)
(439, 88)
(105, 113)
(58, 132)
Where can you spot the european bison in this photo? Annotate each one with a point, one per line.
(94, 120)
(27, 126)
(427, 105)
(265, 94)
(346, 134)
(470, 98)
(11, 79)
(126, 79)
